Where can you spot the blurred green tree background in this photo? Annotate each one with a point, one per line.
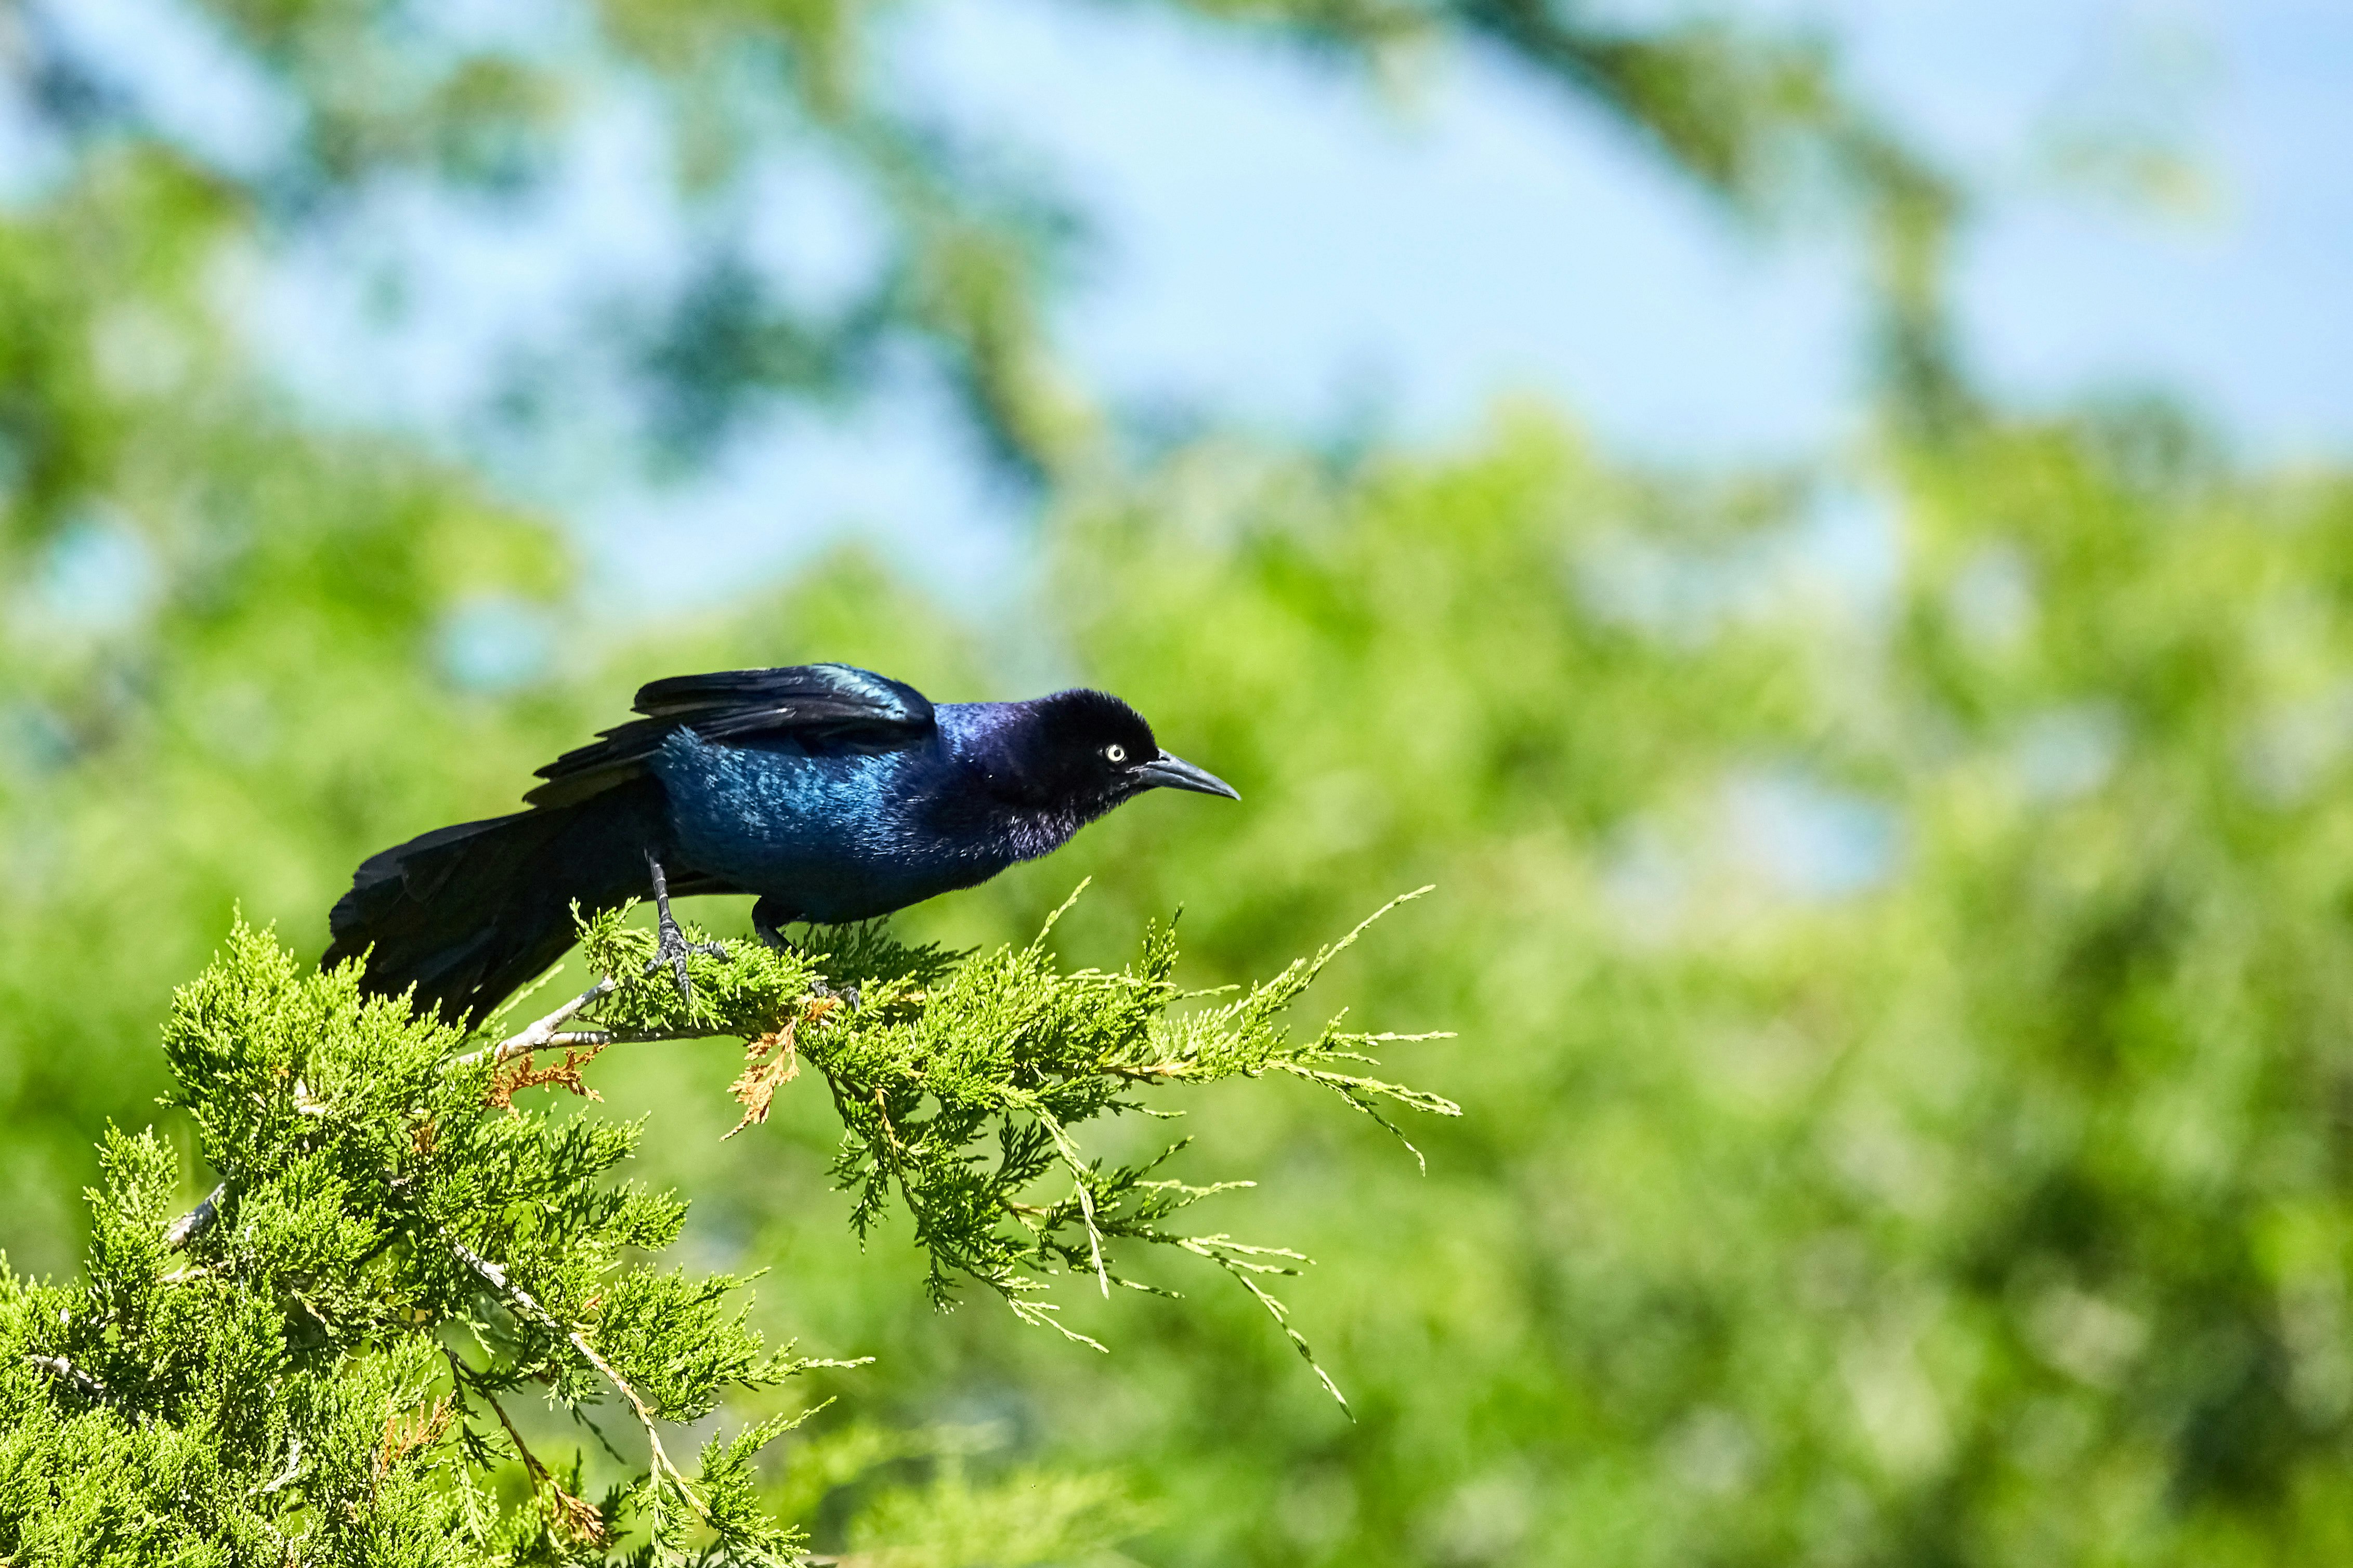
(1903, 1008)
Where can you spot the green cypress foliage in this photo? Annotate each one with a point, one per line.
(321, 1363)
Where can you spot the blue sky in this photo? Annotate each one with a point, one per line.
(1278, 242)
(1279, 245)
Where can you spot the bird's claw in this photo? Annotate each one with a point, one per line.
(770, 930)
(674, 950)
(848, 996)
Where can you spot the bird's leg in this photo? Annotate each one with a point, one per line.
(673, 948)
(769, 922)
(768, 925)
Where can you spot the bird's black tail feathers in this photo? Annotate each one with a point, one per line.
(468, 913)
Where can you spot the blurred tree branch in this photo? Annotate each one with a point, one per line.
(970, 260)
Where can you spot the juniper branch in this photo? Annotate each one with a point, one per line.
(579, 1517)
(359, 1143)
(517, 1295)
(540, 1033)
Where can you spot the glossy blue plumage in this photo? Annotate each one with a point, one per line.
(832, 794)
(830, 835)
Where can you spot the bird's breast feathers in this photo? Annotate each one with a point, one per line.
(781, 820)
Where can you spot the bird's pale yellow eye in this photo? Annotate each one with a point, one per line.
(1115, 752)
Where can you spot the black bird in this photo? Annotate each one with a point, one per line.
(832, 794)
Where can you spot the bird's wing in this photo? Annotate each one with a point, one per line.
(826, 706)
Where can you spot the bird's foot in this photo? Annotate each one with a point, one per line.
(674, 950)
(768, 925)
(846, 995)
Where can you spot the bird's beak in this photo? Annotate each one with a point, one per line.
(1165, 771)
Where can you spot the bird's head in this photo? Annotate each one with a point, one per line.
(1087, 751)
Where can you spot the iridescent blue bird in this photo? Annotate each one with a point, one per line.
(827, 792)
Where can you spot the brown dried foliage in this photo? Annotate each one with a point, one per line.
(576, 1517)
(771, 1062)
(520, 1074)
(405, 1432)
